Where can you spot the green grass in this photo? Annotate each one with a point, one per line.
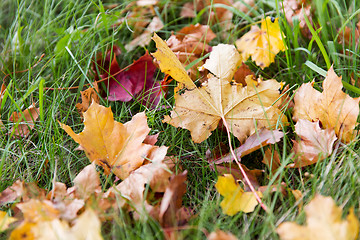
(70, 33)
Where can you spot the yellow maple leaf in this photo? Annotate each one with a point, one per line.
(333, 108)
(200, 109)
(262, 44)
(323, 221)
(235, 199)
(115, 146)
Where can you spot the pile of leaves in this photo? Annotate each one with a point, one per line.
(214, 89)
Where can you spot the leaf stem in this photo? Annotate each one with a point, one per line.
(247, 180)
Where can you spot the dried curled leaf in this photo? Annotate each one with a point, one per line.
(115, 146)
(315, 144)
(333, 108)
(87, 96)
(323, 221)
(262, 44)
(235, 199)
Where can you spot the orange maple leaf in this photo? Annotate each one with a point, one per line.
(115, 146)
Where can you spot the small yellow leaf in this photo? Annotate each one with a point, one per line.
(235, 199)
(262, 44)
(323, 221)
(5, 221)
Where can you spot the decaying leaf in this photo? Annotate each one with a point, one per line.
(144, 39)
(295, 9)
(262, 44)
(171, 203)
(235, 199)
(259, 139)
(221, 235)
(241, 73)
(87, 96)
(315, 144)
(155, 174)
(24, 122)
(115, 146)
(201, 109)
(272, 160)
(333, 108)
(323, 221)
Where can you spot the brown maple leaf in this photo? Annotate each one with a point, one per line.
(24, 122)
(315, 144)
(333, 108)
(115, 146)
(297, 9)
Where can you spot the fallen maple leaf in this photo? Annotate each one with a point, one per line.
(262, 44)
(296, 9)
(137, 80)
(315, 144)
(323, 221)
(87, 96)
(221, 235)
(115, 146)
(35, 210)
(333, 108)
(155, 174)
(87, 226)
(21, 191)
(201, 109)
(235, 199)
(87, 182)
(24, 122)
